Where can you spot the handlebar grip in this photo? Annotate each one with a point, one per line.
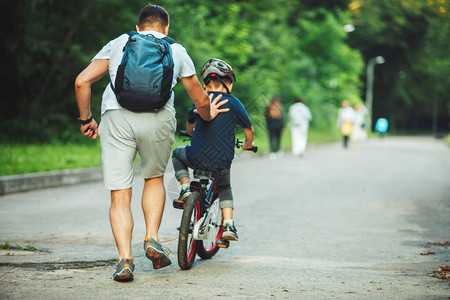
(254, 149)
(184, 133)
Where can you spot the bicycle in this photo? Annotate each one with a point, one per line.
(200, 231)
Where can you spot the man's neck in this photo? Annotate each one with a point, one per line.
(164, 30)
(151, 29)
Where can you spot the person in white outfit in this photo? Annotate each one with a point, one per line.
(299, 118)
(345, 121)
(359, 133)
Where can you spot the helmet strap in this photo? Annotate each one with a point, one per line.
(215, 76)
(223, 83)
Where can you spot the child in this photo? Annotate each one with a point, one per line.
(212, 143)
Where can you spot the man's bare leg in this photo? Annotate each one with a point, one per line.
(122, 221)
(153, 200)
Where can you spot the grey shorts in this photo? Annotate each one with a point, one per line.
(123, 134)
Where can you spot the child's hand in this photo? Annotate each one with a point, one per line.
(248, 145)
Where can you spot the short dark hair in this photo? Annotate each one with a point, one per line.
(215, 84)
(152, 16)
(299, 99)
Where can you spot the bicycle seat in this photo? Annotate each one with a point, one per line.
(204, 174)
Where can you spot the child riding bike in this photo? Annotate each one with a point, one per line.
(212, 143)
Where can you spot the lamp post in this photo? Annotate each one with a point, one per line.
(369, 85)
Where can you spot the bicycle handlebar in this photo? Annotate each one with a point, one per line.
(184, 133)
(238, 144)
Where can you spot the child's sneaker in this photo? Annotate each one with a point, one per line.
(229, 232)
(184, 194)
(155, 252)
(124, 271)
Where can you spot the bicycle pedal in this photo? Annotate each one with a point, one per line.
(178, 204)
(223, 243)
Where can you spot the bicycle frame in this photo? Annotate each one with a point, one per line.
(201, 227)
(208, 227)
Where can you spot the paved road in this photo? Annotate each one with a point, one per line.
(334, 224)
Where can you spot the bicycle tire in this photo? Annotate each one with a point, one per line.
(187, 246)
(207, 249)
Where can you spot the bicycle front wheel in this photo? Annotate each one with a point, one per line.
(187, 246)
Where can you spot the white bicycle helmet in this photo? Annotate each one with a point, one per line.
(217, 67)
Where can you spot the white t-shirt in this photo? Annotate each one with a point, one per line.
(345, 114)
(299, 115)
(183, 67)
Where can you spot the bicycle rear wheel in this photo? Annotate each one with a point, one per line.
(207, 248)
(187, 246)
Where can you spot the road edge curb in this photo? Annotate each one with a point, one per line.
(26, 182)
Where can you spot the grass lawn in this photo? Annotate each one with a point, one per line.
(21, 159)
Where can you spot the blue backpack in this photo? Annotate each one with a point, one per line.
(381, 125)
(144, 77)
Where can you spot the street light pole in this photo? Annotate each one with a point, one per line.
(369, 84)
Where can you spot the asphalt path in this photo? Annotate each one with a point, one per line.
(355, 223)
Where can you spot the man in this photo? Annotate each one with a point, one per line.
(123, 133)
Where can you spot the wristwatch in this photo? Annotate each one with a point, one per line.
(84, 122)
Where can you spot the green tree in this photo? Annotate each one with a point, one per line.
(47, 43)
(278, 47)
(412, 85)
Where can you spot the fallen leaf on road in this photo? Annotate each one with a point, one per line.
(443, 272)
(440, 244)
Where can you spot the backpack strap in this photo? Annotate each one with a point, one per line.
(166, 38)
(169, 40)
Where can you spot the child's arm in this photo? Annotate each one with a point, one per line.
(190, 128)
(190, 121)
(249, 134)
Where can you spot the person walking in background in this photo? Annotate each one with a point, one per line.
(345, 121)
(124, 132)
(299, 118)
(359, 133)
(275, 123)
(381, 126)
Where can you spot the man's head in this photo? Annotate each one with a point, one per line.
(345, 103)
(153, 17)
(299, 100)
(218, 76)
